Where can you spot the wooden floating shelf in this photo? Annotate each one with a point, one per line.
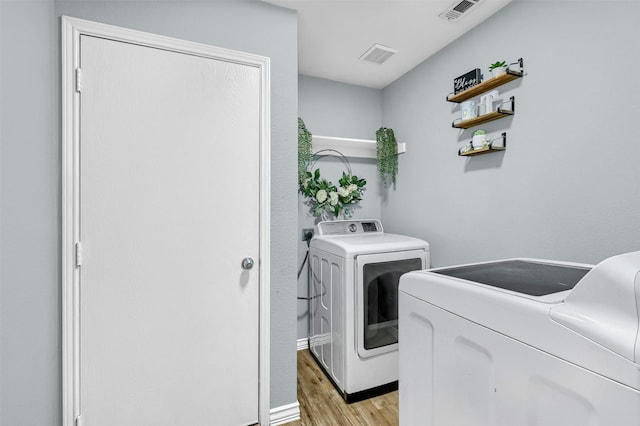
(495, 115)
(486, 149)
(479, 151)
(485, 86)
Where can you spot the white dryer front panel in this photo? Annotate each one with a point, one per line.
(376, 294)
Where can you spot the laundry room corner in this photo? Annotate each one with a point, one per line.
(334, 109)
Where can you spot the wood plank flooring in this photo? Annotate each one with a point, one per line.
(321, 404)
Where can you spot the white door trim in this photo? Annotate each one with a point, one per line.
(72, 29)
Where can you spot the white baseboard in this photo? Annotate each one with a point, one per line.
(285, 414)
(303, 344)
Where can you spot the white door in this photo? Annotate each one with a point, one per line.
(168, 207)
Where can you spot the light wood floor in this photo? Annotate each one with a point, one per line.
(321, 404)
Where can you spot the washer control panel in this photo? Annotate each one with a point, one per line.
(349, 227)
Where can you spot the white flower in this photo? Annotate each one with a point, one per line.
(352, 187)
(333, 196)
(321, 196)
(343, 192)
(305, 184)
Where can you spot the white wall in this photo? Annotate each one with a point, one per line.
(568, 185)
(30, 316)
(329, 108)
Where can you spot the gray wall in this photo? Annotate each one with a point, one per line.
(29, 217)
(568, 185)
(329, 108)
(30, 350)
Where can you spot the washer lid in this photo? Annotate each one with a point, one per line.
(604, 306)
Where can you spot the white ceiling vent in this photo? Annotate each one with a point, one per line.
(378, 53)
(458, 9)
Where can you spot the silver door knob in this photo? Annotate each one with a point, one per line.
(247, 263)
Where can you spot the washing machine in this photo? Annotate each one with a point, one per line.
(521, 342)
(355, 268)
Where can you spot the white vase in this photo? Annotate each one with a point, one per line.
(478, 141)
(469, 109)
(498, 71)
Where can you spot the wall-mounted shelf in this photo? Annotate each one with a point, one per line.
(360, 148)
(514, 71)
(481, 151)
(489, 84)
(495, 115)
(486, 150)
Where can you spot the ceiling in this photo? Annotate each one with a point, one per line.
(333, 34)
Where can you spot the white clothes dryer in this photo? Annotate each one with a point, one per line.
(521, 342)
(355, 271)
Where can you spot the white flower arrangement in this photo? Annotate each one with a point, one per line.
(325, 196)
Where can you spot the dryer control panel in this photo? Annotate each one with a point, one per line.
(349, 227)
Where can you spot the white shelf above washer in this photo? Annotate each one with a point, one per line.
(362, 148)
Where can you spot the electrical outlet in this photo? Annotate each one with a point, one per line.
(307, 233)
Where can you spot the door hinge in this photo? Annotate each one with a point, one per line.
(78, 256)
(79, 421)
(79, 81)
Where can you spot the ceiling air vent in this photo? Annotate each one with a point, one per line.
(458, 9)
(378, 53)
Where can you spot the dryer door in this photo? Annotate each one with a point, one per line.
(377, 279)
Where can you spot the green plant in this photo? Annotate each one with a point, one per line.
(479, 132)
(323, 195)
(498, 64)
(387, 155)
(304, 150)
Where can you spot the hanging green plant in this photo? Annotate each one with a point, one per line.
(305, 152)
(387, 155)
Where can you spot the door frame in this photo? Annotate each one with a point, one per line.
(72, 29)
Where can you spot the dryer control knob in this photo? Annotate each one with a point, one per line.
(353, 227)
